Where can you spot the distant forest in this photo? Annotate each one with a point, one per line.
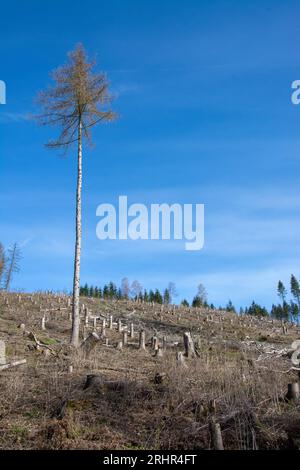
(287, 310)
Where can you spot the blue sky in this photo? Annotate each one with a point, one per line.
(203, 89)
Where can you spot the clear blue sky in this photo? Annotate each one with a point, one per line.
(203, 90)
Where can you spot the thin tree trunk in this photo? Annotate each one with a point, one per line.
(76, 279)
(11, 267)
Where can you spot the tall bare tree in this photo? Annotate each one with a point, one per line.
(12, 264)
(77, 101)
(136, 288)
(125, 287)
(172, 291)
(202, 294)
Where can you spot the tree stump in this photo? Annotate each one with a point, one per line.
(89, 344)
(104, 327)
(124, 338)
(188, 344)
(180, 360)
(293, 392)
(154, 342)
(159, 352)
(2, 352)
(92, 380)
(216, 435)
(142, 340)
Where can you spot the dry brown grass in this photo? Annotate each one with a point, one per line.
(225, 383)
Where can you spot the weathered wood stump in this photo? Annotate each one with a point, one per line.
(216, 435)
(180, 359)
(142, 340)
(124, 338)
(90, 343)
(159, 352)
(2, 352)
(188, 344)
(103, 327)
(293, 392)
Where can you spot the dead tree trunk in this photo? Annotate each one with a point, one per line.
(76, 279)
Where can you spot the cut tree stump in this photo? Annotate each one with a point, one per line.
(159, 352)
(2, 352)
(142, 340)
(216, 435)
(293, 392)
(188, 345)
(180, 359)
(90, 343)
(124, 338)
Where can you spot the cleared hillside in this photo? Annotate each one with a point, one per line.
(152, 398)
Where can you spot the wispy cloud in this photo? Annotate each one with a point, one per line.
(126, 89)
(13, 117)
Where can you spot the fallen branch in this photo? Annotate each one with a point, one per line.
(279, 371)
(12, 364)
(38, 344)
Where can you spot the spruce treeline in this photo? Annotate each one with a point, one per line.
(287, 310)
(111, 291)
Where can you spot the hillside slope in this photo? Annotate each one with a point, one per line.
(152, 398)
